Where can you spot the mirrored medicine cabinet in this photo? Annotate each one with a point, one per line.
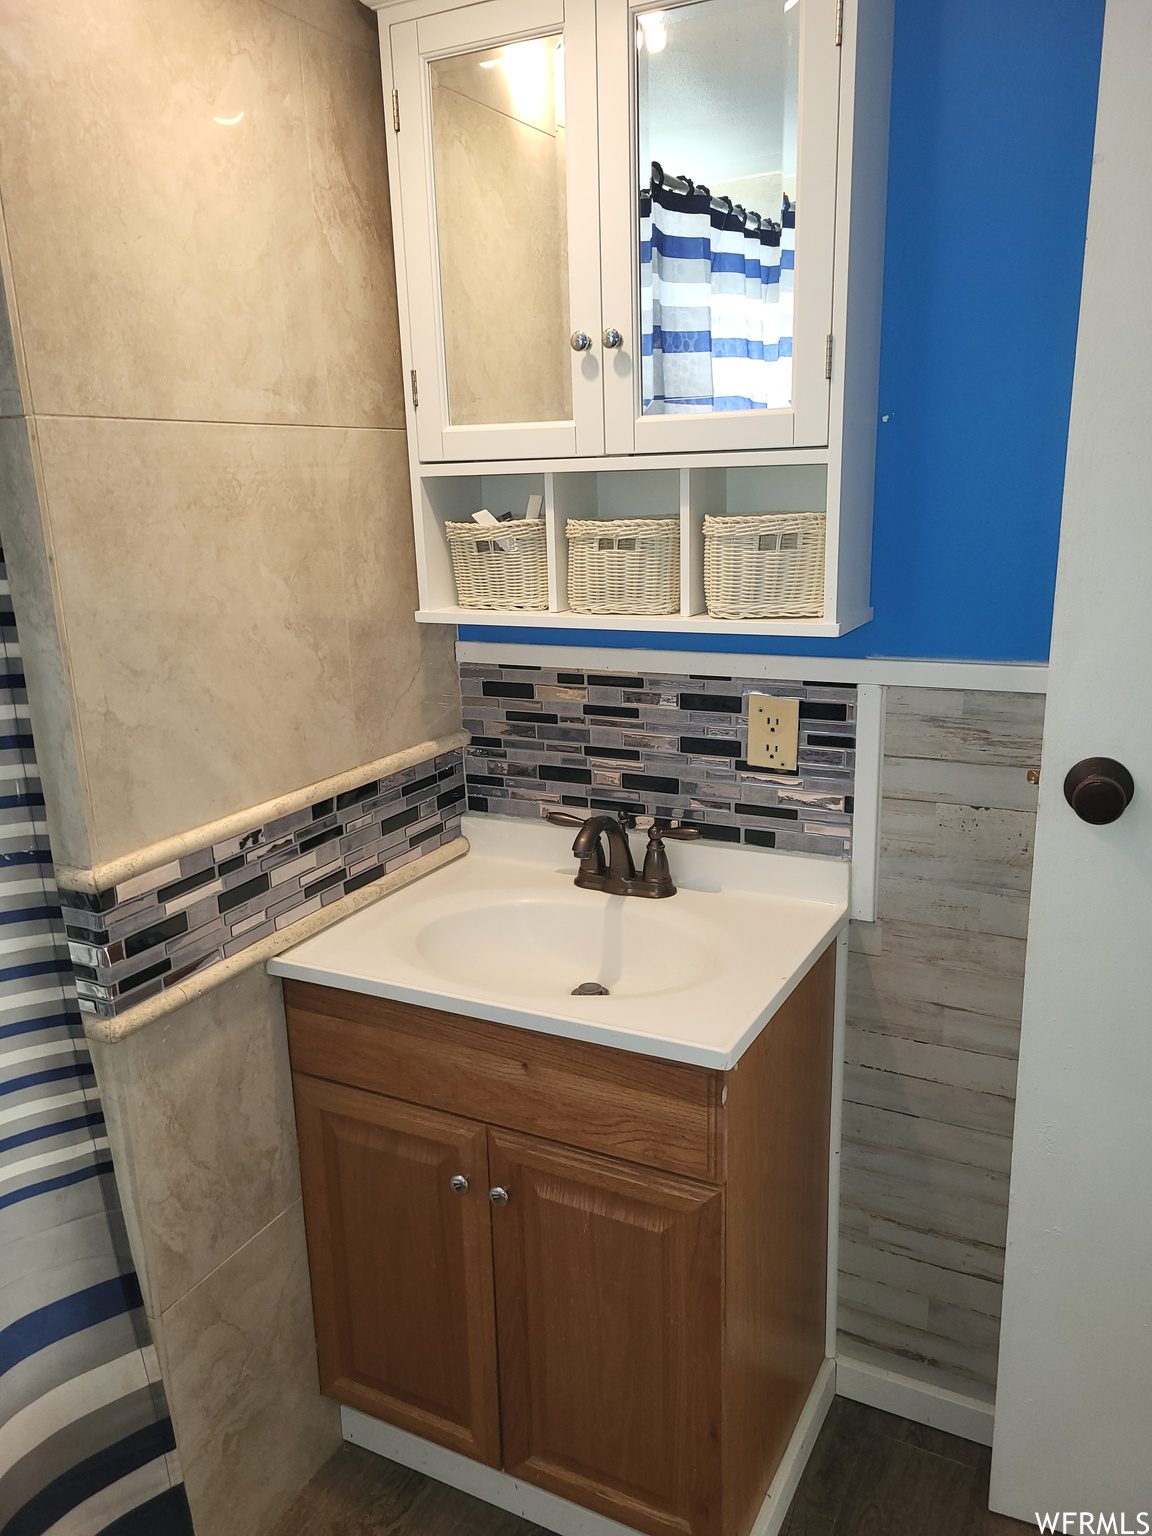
(630, 235)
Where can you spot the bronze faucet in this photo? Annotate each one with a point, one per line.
(616, 874)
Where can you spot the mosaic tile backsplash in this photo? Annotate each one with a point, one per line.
(129, 943)
(659, 745)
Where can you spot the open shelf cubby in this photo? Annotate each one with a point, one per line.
(688, 494)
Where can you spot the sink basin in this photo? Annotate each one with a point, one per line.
(505, 935)
(535, 947)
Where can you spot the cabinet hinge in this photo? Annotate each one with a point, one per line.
(827, 359)
(416, 392)
(396, 109)
(839, 27)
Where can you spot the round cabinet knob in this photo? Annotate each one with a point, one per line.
(581, 341)
(1099, 790)
(458, 1184)
(498, 1196)
(612, 337)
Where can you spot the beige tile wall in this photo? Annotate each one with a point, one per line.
(206, 317)
(199, 1108)
(204, 502)
(935, 991)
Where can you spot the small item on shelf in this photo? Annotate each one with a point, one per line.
(509, 570)
(768, 566)
(627, 565)
(484, 517)
(535, 502)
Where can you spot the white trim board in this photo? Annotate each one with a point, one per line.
(835, 1142)
(681, 624)
(867, 791)
(991, 676)
(556, 1514)
(920, 1401)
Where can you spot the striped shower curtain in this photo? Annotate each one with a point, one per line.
(86, 1443)
(716, 289)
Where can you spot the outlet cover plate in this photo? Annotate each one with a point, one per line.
(773, 732)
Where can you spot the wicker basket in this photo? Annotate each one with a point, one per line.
(769, 566)
(629, 565)
(502, 566)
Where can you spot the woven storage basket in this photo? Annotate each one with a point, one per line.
(769, 566)
(505, 566)
(628, 565)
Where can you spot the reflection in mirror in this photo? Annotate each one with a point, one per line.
(717, 90)
(498, 151)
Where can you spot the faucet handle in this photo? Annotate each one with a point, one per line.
(564, 819)
(681, 834)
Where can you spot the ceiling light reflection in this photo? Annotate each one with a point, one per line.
(652, 33)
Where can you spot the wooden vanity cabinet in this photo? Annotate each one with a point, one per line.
(638, 1327)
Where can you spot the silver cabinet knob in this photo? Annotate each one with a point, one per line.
(581, 341)
(498, 1196)
(612, 337)
(459, 1184)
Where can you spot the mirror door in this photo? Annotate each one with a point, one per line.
(718, 122)
(499, 208)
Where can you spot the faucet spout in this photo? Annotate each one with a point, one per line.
(619, 861)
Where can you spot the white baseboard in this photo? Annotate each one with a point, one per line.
(556, 1514)
(920, 1401)
(795, 1458)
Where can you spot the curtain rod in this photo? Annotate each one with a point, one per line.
(684, 186)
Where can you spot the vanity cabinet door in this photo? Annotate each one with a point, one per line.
(401, 1263)
(608, 1293)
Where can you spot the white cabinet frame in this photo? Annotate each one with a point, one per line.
(805, 423)
(414, 44)
(834, 421)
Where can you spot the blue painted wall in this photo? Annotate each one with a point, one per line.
(993, 114)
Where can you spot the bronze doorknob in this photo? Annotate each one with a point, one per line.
(1099, 790)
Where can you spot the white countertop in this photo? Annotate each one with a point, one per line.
(503, 934)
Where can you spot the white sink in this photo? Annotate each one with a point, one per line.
(546, 946)
(504, 934)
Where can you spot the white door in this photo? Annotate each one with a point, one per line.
(1074, 1402)
(499, 208)
(739, 97)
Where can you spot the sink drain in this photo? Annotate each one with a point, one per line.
(590, 989)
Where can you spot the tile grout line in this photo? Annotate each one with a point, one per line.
(163, 1312)
(211, 421)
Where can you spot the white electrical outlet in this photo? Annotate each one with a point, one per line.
(773, 732)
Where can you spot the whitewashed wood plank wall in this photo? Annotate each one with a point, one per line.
(935, 989)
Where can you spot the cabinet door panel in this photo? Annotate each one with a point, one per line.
(401, 1264)
(740, 100)
(497, 158)
(609, 1323)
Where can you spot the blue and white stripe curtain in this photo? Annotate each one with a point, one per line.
(716, 293)
(86, 1442)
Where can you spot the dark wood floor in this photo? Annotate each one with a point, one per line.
(871, 1474)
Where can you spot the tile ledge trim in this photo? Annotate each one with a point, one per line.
(110, 1031)
(102, 877)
